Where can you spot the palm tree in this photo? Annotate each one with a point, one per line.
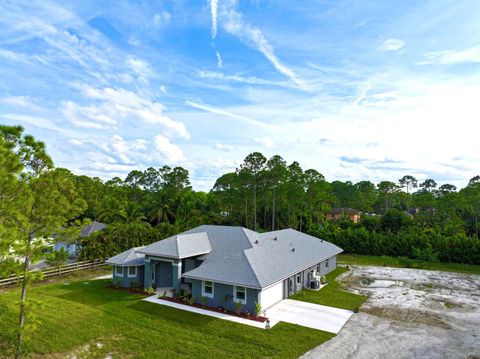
(133, 214)
(162, 210)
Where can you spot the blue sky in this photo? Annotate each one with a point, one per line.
(355, 89)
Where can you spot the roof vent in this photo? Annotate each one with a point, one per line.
(256, 242)
(274, 238)
(293, 249)
(321, 240)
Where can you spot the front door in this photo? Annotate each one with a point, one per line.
(165, 274)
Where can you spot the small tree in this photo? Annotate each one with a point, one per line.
(203, 300)
(57, 259)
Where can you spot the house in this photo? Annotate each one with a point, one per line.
(341, 213)
(227, 265)
(72, 247)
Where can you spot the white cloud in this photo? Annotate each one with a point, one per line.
(140, 68)
(75, 142)
(169, 151)
(20, 101)
(124, 152)
(87, 116)
(391, 45)
(219, 60)
(222, 147)
(219, 111)
(247, 80)
(252, 36)
(453, 57)
(213, 11)
(116, 105)
(266, 142)
(161, 18)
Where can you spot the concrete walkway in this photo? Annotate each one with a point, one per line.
(310, 315)
(188, 308)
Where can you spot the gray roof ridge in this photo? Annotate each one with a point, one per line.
(91, 228)
(244, 230)
(248, 260)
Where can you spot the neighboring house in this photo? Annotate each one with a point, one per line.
(73, 247)
(229, 264)
(340, 213)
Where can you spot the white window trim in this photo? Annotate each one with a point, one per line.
(235, 299)
(205, 294)
(132, 275)
(116, 271)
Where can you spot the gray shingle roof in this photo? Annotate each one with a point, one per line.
(180, 246)
(291, 251)
(244, 257)
(91, 228)
(131, 257)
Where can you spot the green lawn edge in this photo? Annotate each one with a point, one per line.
(332, 294)
(90, 320)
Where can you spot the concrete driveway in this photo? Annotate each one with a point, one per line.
(310, 315)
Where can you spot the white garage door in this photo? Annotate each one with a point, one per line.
(271, 295)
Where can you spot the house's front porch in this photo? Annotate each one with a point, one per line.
(165, 274)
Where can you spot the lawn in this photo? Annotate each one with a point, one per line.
(403, 262)
(332, 295)
(89, 320)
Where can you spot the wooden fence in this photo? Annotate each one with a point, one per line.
(50, 272)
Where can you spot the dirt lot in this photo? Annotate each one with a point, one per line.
(410, 313)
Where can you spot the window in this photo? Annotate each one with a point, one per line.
(207, 289)
(119, 271)
(298, 278)
(240, 294)
(326, 263)
(132, 272)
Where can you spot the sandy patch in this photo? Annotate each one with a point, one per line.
(410, 313)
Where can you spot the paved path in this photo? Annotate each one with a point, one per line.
(310, 315)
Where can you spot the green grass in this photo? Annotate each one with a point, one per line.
(332, 295)
(403, 262)
(76, 317)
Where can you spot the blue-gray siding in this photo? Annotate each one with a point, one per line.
(125, 280)
(223, 296)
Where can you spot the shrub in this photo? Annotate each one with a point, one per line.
(258, 309)
(150, 291)
(117, 282)
(203, 300)
(238, 307)
(134, 285)
(191, 301)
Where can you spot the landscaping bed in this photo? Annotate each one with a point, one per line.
(216, 309)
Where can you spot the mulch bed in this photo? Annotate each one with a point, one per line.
(215, 309)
